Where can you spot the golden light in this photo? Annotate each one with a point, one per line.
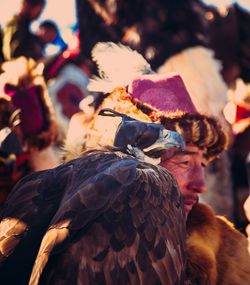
(230, 112)
(241, 93)
(209, 16)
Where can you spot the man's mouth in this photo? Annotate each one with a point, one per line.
(189, 203)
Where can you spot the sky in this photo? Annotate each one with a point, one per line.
(63, 14)
(223, 3)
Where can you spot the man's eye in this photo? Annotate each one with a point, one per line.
(184, 162)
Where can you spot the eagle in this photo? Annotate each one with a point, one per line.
(106, 217)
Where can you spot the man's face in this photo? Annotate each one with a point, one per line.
(35, 11)
(47, 35)
(188, 167)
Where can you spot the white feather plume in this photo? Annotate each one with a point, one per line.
(117, 65)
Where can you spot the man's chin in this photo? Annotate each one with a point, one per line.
(189, 202)
(188, 208)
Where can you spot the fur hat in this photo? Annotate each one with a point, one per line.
(148, 96)
(27, 90)
(166, 98)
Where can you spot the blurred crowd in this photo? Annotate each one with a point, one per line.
(46, 106)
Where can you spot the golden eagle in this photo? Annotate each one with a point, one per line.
(103, 218)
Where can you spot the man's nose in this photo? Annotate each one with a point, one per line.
(197, 181)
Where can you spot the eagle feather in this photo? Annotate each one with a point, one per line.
(117, 65)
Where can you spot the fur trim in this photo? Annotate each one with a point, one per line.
(197, 129)
(217, 252)
(99, 131)
(75, 142)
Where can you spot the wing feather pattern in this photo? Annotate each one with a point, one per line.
(115, 220)
(25, 218)
(117, 231)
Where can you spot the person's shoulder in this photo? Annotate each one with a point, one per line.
(12, 21)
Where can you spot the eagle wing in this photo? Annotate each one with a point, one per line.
(120, 221)
(28, 211)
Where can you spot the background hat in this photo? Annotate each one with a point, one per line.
(23, 82)
(237, 110)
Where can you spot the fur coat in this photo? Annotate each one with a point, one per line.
(217, 252)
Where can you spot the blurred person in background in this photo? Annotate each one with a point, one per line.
(18, 40)
(28, 128)
(247, 202)
(1, 45)
(50, 37)
(237, 112)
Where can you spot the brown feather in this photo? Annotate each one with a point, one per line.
(115, 220)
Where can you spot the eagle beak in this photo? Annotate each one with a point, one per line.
(173, 139)
(166, 141)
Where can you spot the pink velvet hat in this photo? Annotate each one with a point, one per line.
(166, 93)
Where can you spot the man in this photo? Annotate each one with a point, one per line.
(164, 99)
(157, 98)
(48, 31)
(188, 168)
(17, 38)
